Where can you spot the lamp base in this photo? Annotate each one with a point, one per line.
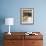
(9, 33)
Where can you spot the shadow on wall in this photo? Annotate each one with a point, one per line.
(2, 21)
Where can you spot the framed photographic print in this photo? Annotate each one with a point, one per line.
(27, 15)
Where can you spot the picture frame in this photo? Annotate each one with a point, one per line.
(27, 15)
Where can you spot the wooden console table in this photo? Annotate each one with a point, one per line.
(20, 39)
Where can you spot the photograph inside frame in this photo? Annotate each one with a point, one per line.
(27, 15)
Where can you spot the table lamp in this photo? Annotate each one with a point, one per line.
(9, 21)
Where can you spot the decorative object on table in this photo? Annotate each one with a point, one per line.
(9, 21)
(30, 33)
(27, 15)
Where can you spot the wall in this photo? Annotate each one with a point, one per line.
(11, 8)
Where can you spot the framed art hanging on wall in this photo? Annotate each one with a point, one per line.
(27, 15)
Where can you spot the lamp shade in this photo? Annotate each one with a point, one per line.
(9, 21)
